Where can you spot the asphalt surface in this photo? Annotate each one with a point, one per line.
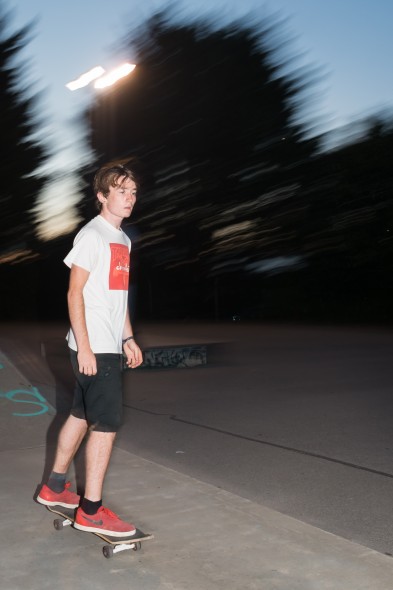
(299, 419)
(270, 467)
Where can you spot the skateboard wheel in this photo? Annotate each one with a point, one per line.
(137, 546)
(58, 524)
(107, 551)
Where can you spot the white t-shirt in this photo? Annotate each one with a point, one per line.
(104, 251)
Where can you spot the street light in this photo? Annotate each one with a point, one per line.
(114, 76)
(86, 78)
(101, 80)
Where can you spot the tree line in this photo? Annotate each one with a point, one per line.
(240, 214)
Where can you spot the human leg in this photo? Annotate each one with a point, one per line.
(98, 452)
(70, 438)
(91, 515)
(73, 430)
(56, 492)
(103, 405)
(103, 411)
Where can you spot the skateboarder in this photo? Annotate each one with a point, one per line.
(100, 331)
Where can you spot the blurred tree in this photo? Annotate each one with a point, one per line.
(347, 227)
(20, 156)
(21, 151)
(211, 121)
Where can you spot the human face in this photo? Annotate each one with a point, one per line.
(119, 202)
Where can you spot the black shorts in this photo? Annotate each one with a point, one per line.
(99, 398)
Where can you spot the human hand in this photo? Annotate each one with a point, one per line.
(133, 354)
(87, 362)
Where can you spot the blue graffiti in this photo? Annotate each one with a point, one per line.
(41, 403)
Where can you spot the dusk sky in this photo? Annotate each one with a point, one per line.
(349, 40)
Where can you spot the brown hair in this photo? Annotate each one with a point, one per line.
(108, 176)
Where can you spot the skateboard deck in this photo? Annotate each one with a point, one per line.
(115, 544)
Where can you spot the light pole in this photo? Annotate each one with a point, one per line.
(102, 80)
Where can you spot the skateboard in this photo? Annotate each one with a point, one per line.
(114, 544)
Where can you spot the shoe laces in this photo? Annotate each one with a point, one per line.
(109, 512)
(67, 485)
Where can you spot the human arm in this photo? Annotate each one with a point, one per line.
(76, 309)
(130, 348)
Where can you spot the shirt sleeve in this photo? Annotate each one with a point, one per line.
(85, 250)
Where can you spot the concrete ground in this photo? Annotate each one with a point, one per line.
(206, 538)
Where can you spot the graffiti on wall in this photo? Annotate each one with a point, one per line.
(174, 357)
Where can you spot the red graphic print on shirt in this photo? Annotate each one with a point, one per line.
(120, 267)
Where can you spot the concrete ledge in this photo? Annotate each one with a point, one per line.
(174, 357)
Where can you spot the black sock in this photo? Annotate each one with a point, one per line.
(57, 482)
(90, 507)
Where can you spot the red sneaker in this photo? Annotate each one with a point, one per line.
(65, 498)
(103, 521)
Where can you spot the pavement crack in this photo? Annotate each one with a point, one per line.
(285, 448)
(266, 443)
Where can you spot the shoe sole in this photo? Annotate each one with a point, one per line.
(49, 503)
(91, 529)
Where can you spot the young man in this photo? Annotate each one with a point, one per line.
(100, 331)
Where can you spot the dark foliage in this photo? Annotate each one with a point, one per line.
(21, 152)
(236, 213)
(209, 121)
